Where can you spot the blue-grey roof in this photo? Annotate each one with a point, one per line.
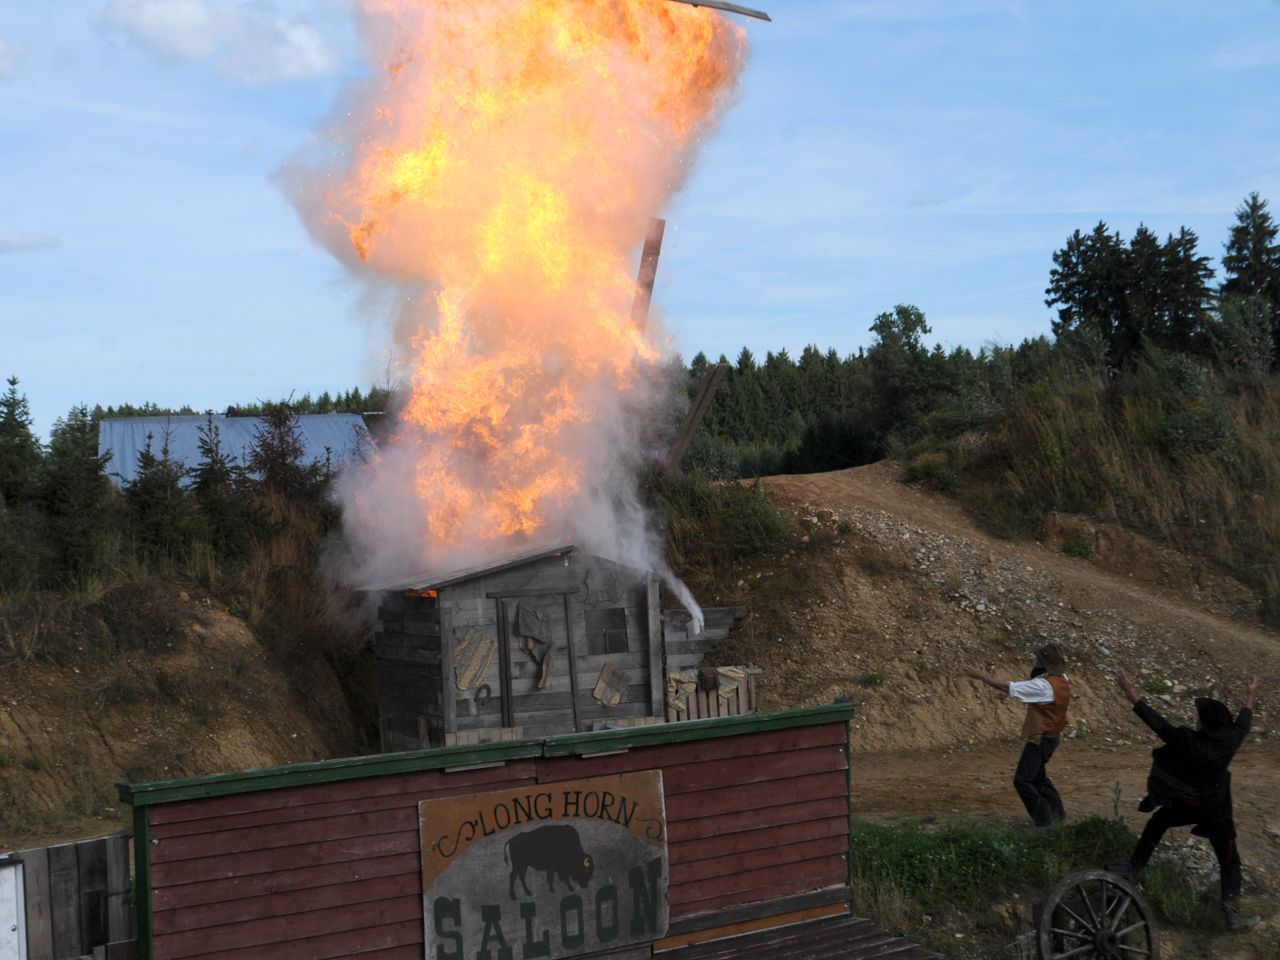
(334, 435)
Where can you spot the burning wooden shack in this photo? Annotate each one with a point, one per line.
(542, 643)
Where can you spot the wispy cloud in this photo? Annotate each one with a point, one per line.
(253, 44)
(22, 242)
(10, 58)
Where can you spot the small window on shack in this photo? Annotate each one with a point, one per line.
(606, 630)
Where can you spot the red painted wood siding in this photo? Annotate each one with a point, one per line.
(333, 870)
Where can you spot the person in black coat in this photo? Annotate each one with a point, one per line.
(1190, 785)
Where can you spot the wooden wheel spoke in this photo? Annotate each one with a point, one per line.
(1084, 895)
(1130, 928)
(1073, 952)
(1075, 934)
(1139, 951)
(1076, 917)
(1127, 901)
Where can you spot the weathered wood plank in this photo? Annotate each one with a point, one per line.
(777, 908)
(350, 926)
(832, 809)
(91, 865)
(35, 870)
(119, 891)
(300, 879)
(757, 885)
(282, 859)
(676, 761)
(64, 901)
(429, 783)
(352, 943)
(287, 903)
(425, 650)
(734, 860)
(716, 801)
(401, 818)
(693, 844)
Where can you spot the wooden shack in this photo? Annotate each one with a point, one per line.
(542, 643)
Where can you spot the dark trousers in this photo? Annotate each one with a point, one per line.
(1220, 832)
(1037, 791)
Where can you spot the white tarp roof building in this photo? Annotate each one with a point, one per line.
(336, 437)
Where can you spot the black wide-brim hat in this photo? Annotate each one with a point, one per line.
(1214, 716)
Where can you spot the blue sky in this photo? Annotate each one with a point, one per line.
(878, 152)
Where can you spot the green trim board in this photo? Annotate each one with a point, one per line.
(577, 744)
(142, 881)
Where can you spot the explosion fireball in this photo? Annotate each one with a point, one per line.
(497, 169)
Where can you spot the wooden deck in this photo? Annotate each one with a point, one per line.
(837, 938)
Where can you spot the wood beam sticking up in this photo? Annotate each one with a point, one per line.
(648, 272)
(697, 410)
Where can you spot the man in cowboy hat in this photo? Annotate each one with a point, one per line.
(1190, 785)
(1046, 695)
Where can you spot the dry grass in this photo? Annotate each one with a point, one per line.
(1200, 474)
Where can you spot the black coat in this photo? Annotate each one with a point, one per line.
(1191, 766)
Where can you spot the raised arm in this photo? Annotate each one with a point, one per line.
(981, 675)
(1251, 693)
(1162, 727)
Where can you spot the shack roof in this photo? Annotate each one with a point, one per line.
(333, 436)
(437, 580)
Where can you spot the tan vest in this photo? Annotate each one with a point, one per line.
(1048, 718)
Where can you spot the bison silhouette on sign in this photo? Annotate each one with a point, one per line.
(555, 850)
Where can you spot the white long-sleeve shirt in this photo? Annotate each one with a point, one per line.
(1037, 690)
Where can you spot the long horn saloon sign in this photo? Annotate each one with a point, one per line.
(547, 871)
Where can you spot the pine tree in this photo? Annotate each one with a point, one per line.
(1185, 294)
(1252, 261)
(77, 496)
(217, 482)
(1089, 284)
(277, 455)
(20, 451)
(160, 509)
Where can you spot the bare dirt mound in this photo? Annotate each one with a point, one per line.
(200, 695)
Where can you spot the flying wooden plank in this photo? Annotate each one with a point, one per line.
(728, 8)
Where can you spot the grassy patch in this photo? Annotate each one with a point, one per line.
(982, 879)
(1157, 686)
(871, 680)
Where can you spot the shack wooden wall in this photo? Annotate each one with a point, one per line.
(408, 672)
(418, 697)
(756, 823)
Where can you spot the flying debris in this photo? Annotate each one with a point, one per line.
(729, 7)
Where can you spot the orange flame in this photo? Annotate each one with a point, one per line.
(503, 172)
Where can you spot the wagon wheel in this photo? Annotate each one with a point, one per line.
(1096, 915)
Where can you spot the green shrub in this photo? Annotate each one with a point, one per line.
(1157, 686)
(1078, 547)
(871, 680)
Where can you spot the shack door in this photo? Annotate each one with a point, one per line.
(13, 934)
(538, 680)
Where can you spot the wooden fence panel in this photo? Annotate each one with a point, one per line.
(79, 899)
(91, 865)
(35, 868)
(64, 901)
